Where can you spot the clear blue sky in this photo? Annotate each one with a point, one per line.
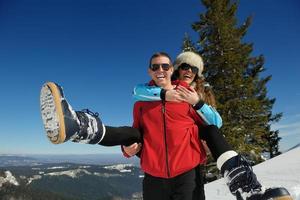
(98, 50)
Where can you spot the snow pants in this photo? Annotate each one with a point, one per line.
(187, 186)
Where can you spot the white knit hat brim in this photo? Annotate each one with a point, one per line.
(190, 58)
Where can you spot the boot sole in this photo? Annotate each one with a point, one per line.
(52, 113)
(278, 194)
(283, 198)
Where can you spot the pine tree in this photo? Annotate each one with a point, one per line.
(188, 44)
(235, 75)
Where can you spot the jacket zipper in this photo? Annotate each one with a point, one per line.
(165, 136)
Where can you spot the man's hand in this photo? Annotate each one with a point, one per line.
(132, 149)
(189, 96)
(207, 150)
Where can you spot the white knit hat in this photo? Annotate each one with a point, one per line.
(190, 58)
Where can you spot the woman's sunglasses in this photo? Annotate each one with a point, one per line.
(185, 66)
(164, 66)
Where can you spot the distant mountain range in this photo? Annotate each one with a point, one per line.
(14, 160)
(71, 181)
(27, 178)
(96, 159)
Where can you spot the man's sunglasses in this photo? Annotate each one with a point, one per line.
(185, 66)
(164, 66)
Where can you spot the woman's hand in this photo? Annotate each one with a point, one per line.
(189, 96)
(132, 149)
(173, 95)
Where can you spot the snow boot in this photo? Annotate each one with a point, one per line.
(279, 193)
(62, 123)
(242, 182)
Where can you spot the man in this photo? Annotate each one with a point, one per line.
(171, 150)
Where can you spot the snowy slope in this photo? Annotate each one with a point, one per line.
(283, 170)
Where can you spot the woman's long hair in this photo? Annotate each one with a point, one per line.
(205, 91)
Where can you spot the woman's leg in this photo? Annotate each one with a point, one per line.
(233, 166)
(215, 141)
(62, 123)
(240, 177)
(123, 135)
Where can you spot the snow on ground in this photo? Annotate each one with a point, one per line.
(119, 167)
(57, 167)
(35, 177)
(283, 170)
(9, 178)
(106, 175)
(72, 173)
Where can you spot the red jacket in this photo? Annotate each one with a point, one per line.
(171, 144)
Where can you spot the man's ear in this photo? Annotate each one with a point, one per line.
(172, 69)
